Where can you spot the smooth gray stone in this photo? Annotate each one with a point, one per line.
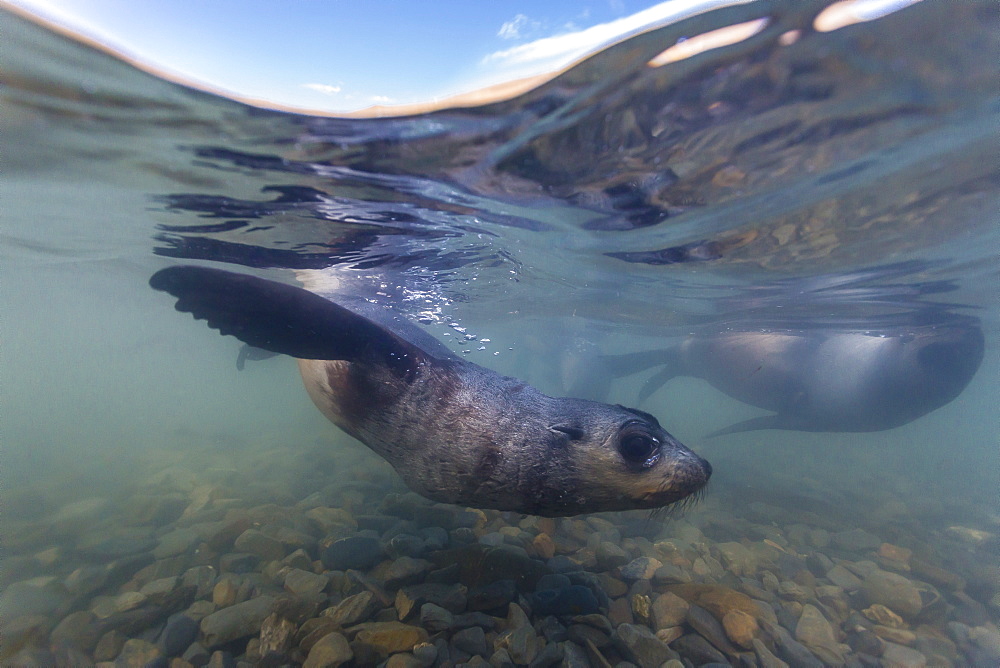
(236, 621)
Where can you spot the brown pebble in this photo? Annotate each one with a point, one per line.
(882, 615)
(895, 553)
(670, 634)
(896, 635)
(740, 628)
(224, 593)
(619, 612)
(544, 546)
(641, 608)
(728, 177)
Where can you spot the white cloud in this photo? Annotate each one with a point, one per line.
(512, 29)
(326, 89)
(520, 27)
(550, 53)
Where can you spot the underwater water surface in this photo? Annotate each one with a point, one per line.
(785, 248)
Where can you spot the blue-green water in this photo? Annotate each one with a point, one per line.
(846, 182)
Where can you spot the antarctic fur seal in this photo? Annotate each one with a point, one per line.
(826, 377)
(455, 432)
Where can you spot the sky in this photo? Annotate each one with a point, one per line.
(337, 56)
(333, 55)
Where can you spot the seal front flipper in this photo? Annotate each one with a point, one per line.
(248, 352)
(282, 318)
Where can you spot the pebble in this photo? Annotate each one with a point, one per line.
(640, 568)
(110, 646)
(404, 571)
(129, 600)
(899, 656)
(765, 657)
(709, 628)
(815, 632)
(202, 578)
(425, 653)
(435, 618)
(843, 578)
(471, 640)
(330, 651)
(574, 656)
(571, 600)
(520, 639)
(882, 615)
(544, 546)
(855, 540)
(410, 599)
(610, 556)
(332, 520)
(406, 545)
(389, 637)
(736, 558)
(668, 635)
(138, 653)
(740, 628)
(692, 646)
(585, 633)
(668, 610)
(304, 583)
(239, 562)
(225, 591)
(235, 622)
(356, 552)
(988, 639)
(620, 612)
(403, 660)
(641, 646)
(255, 542)
(76, 629)
(354, 609)
(493, 596)
(178, 634)
(276, 639)
(178, 541)
(894, 592)
(896, 635)
(792, 651)
(671, 574)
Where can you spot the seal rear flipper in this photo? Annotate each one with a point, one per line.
(626, 364)
(655, 382)
(282, 318)
(753, 424)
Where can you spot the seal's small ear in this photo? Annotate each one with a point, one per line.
(282, 318)
(571, 432)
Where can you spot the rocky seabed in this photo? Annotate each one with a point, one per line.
(181, 572)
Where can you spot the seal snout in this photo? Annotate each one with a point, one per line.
(706, 467)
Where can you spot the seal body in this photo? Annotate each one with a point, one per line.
(832, 379)
(454, 431)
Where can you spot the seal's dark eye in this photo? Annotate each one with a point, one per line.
(638, 448)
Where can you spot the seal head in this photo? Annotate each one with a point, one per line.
(454, 431)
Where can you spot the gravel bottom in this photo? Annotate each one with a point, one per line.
(317, 556)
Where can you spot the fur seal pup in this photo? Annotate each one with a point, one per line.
(827, 377)
(454, 431)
